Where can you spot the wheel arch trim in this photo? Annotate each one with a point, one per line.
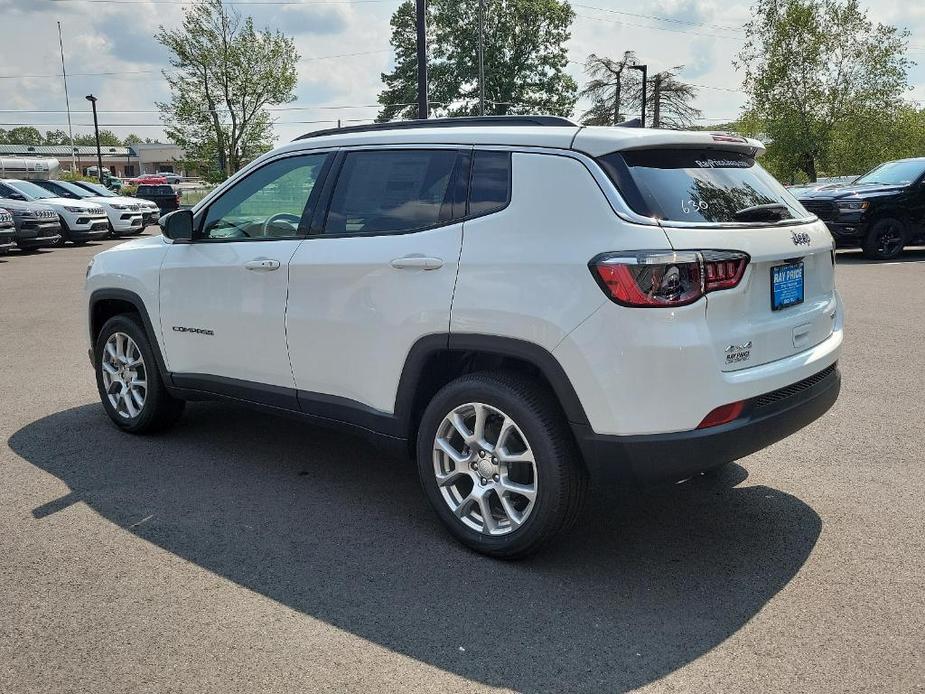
(129, 297)
(430, 346)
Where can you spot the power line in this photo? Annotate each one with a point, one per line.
(647, 26)
(227, 2)
(660, 18)
(150, 72)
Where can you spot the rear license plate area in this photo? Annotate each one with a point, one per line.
(786, 285)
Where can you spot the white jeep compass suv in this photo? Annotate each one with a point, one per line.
(522, 302)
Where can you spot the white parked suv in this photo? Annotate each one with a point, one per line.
(125, 214)
(80, 221)
(523, 303)
(150, 212)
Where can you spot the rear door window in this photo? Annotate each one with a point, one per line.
(700, 186)
(392, 191)
(491, 182)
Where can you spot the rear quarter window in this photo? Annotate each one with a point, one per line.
(490, 187)
(700, 186)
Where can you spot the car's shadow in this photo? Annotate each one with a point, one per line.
(329, 526)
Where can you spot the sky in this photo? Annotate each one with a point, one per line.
(111, 52)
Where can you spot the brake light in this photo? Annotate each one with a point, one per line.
(723, 414)
(653, 279)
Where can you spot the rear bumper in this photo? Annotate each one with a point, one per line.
(653, 458)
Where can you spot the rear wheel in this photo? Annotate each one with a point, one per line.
(498, 464)
(885, 240)
(128, 380)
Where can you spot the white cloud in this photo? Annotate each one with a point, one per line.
(119, 38)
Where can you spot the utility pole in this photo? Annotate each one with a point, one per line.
(644, 69)
(67, 101)
(657, 100)
(616, 95)
(423, 111)
(481, 57)
(96, 130)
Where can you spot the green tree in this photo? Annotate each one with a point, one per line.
(817, 70)
(132, 139)
(107, 139)
(22, 135)
(524, 58)
(612, 88)
(669, 102)
(225, 74)
(57, 137)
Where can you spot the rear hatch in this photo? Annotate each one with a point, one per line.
(713, 199)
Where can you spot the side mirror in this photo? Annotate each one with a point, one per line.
(177, 225)
(18, 196)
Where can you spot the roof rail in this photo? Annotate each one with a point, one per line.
(467, 121)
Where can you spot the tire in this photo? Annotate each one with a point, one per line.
(150, 408)
(885, 240)
(516, 526)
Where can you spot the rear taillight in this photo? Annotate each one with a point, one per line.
(666, 278)
(723, 415)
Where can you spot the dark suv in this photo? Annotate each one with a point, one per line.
(166, 198)
(882, 211)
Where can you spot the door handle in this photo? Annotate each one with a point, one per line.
(262, 265)
(417, 262)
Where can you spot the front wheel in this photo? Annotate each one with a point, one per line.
(128, 379)
(885, 240)
(499, 465)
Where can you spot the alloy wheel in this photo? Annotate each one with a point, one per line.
(485, 469)
(889, 240)
(124, 375)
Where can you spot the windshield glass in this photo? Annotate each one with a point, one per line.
(894, 173)
(71, 188)
(31, 190)
(97, 189)
(700, 185)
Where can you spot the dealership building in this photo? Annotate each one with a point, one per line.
(124, 162)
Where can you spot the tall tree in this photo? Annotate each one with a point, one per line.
(612, 88)
(669, 104)
(813, 67)
(107, 139)
(524, 57)
(23, 135)
(225, 74)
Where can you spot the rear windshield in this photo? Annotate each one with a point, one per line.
(700, 186)
(156, 190)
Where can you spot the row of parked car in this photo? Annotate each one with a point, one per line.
(49, 213)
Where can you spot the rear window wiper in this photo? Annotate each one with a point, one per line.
(771, 212)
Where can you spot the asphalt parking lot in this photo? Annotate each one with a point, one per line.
(241, 552)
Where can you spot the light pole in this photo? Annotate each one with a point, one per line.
(644, 69)
(481, 58)
(96, 130)
(421, 22)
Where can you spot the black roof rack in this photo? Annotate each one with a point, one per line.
(467, 121)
